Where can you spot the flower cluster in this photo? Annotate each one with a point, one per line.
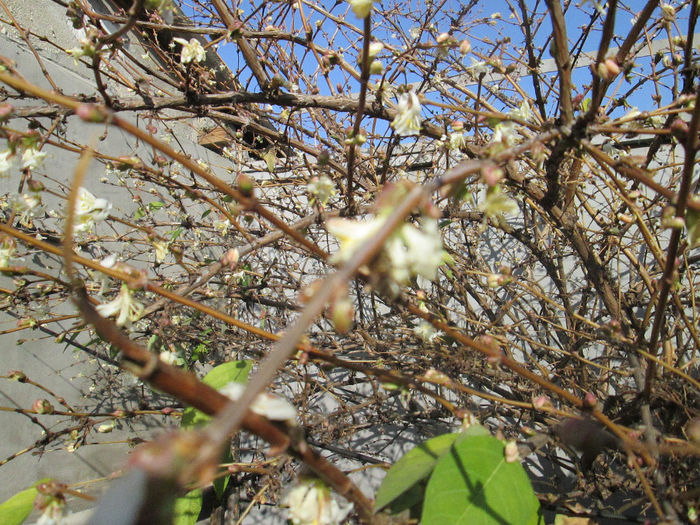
(321, 190)
(409, 251)
(89, 210)
(32, 158)
(407, 121)
(310, 503)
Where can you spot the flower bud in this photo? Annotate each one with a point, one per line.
(42, 406)
(692, 429)
(589, 400)
(376, 67)
(680, 130)
(245, 185)
(540, 402)
(375, 48)
(608, 69)
(18, 375)
(105, 428)
(342, 314)
(5, 111)
(491, 174)
(230, 258)
(90, 113)
(511, 452)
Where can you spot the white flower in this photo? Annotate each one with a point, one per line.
(89, 210)
(669, 12)
(477, 69)
(504, 132)
(426, 332)
(361, 8)
(87, 48)
(124, 306)
(161, 248)
(497, 203)
(222, 225)
(272, 407)
(192, 51)
(6, 161)
(321, 189)
(424, 253)
(407, 120)
(596, 4)
(228, 153)
(171, 358)
(310, 503)
(351, 235)
(524, 112)
(32, 158)
(103, 278)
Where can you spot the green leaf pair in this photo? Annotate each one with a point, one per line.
(461, 479)
(188, 507)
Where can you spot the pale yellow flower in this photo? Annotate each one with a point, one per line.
(321, 189)
(407, 121)
(89, 210)
(192, 51)
(6, 161)
(310, 502)
(124, 306)
(497, 203)
(32, 158)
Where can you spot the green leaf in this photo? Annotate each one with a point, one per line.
(692, 223)
(187, 508)
(156, 205)
(216, 378)
(585, 104)
(474, 485)
(16, 509)
(221, 483)
(139, 213)
(416, 465)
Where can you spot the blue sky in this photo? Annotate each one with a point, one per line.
(482, 24)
